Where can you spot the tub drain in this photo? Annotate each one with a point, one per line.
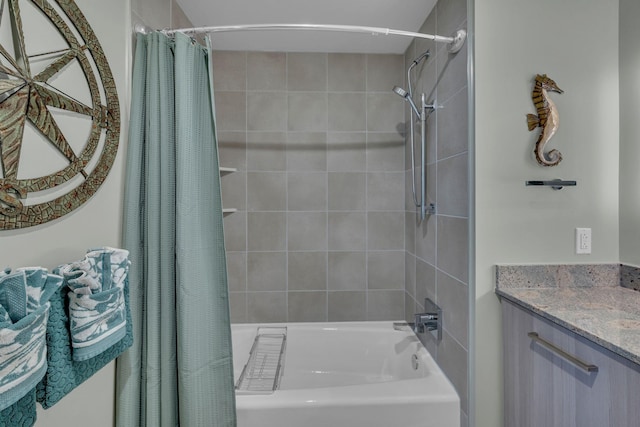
(414, 362)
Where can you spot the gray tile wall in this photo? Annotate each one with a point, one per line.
(436, 262)
(320, 230)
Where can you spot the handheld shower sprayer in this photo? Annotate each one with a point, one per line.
(403, 93)
(407, 97)
(422, 116)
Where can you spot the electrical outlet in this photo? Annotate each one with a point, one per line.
(583, 240)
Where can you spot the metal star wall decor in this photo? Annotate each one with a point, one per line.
(34, 99)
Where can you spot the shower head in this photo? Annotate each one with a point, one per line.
(407, 97)
(403, 93)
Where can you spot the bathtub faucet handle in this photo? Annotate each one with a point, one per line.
(430, 320)
(425, 321)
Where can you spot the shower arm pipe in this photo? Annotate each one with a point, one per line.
(454, 42)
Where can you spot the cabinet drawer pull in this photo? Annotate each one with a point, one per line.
(568, 357)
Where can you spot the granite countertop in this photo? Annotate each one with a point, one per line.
(597, 301)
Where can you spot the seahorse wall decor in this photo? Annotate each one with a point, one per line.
(547, 118)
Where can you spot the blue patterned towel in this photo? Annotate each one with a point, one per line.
(20, 414)
(24, 296)
(96, 300)
(63, 372)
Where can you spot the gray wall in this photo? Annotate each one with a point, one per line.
(158, 14)
(517, 224)
(319, 232)
(629, 132)
(66, 239)
(436, 248)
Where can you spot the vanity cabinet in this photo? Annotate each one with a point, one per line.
(542, 388)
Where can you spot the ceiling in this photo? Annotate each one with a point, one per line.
(407, 15)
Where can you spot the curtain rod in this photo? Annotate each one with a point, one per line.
(455, 42)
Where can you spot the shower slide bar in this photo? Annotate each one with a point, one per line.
(455, 42)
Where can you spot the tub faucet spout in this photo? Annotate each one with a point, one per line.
(430, 320)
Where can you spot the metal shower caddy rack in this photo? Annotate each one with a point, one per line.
(261, 374)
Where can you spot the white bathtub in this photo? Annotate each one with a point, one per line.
(356, 374)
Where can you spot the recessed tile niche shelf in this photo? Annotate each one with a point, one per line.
(224, 171)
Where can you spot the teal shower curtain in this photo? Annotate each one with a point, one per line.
(179, 371)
